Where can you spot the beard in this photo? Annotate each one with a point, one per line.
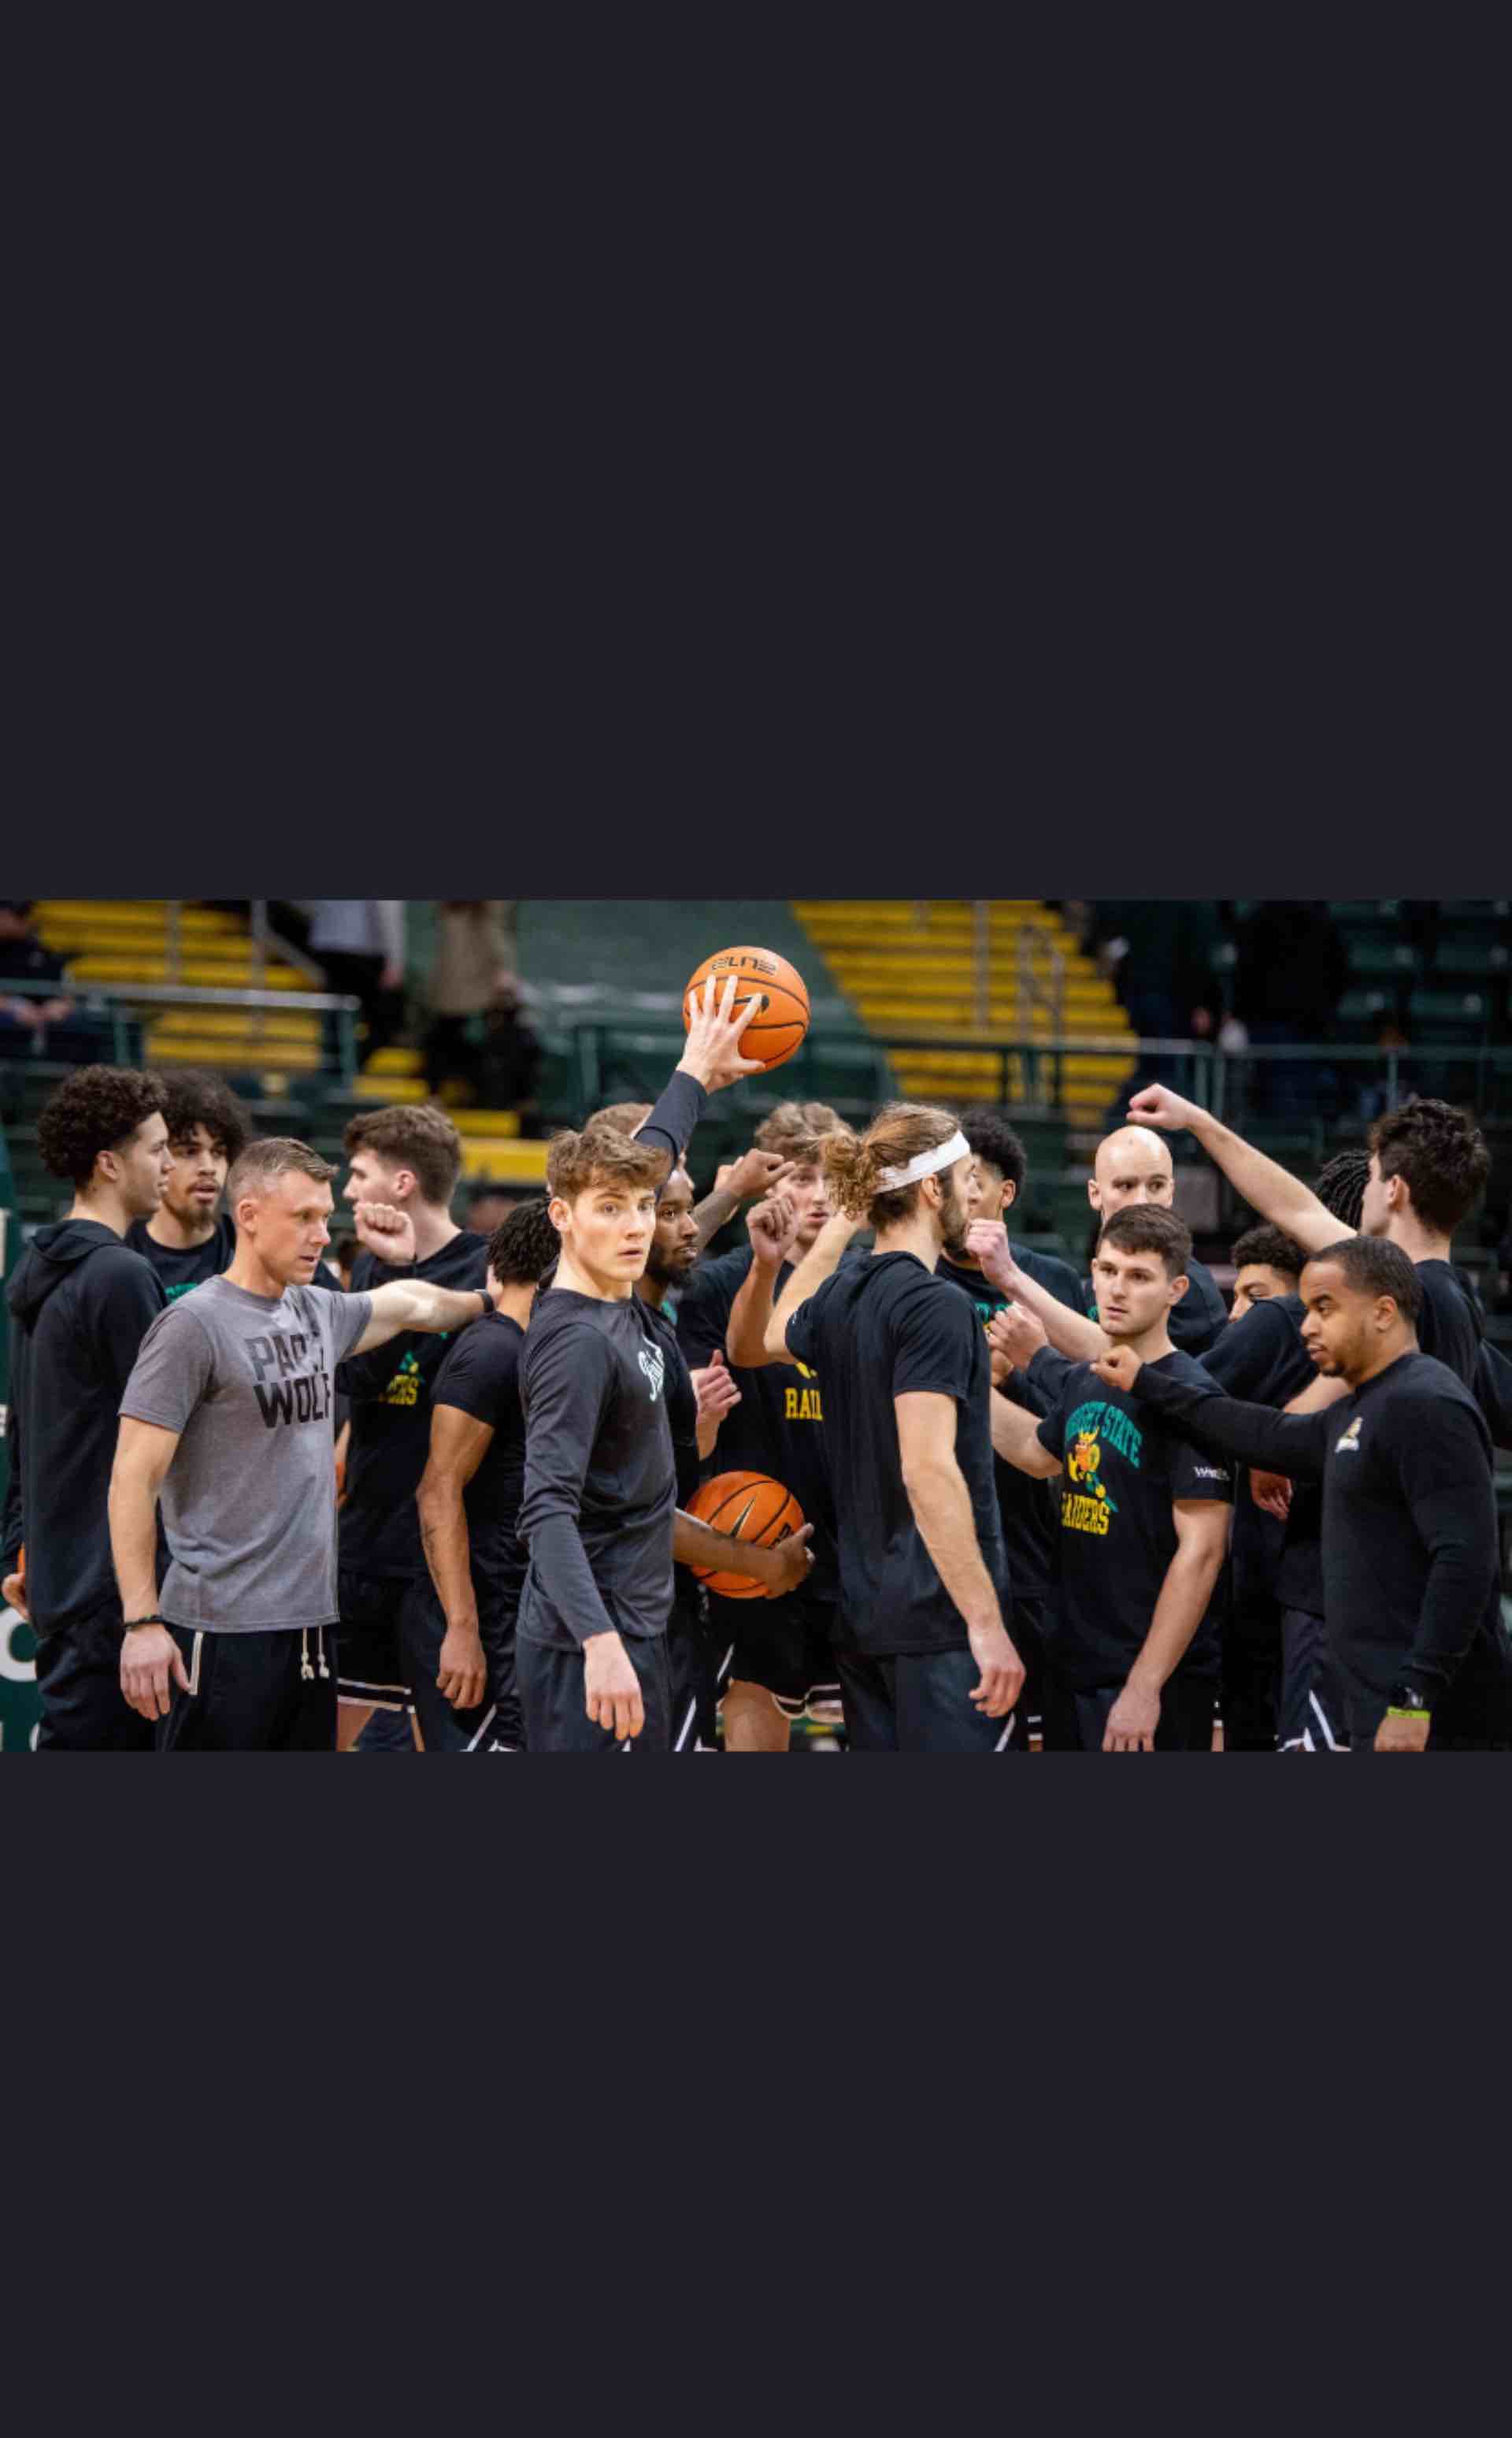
(667, 1269)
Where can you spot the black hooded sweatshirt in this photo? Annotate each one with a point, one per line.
(81, 1304)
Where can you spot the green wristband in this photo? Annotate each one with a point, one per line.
(1410, 1714)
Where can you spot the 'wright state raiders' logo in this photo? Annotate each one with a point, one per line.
(654, 1364)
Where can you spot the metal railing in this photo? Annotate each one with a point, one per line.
(111, 1001)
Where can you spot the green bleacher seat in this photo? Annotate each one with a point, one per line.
(1381, 956)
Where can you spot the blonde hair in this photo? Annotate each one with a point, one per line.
(800, 1130)
(897, 1134)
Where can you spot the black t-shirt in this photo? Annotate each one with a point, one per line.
(601, 1477)
(874, 1331)
(481, 1377)
(1196, 1322)
(1121, 1476)
(1450, 1327)
(390, 1389)
(1410, 1556)
(1030, 1508)
(1261, 1358)
(778, 1427)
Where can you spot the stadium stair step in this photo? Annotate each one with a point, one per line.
(908, 967)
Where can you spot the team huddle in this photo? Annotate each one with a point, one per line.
(504, 1485)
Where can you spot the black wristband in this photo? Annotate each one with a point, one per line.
(130, 1624)
(487, 1303)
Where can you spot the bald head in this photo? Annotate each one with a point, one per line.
(1131, 1166)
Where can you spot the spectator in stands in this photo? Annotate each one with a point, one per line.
(30, 1024)
(1158, 954)
(359, 944)
(472, 972)
(1292, 970)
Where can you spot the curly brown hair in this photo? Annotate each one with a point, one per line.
(525, 1245)
(1441, 1154)
(798, 1129)
(94, 1109)
(198, 1099)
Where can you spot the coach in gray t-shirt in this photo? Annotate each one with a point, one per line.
(228, 1417)
(244, 1381)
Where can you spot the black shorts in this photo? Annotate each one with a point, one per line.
(698, 1670)
(389, 1648)
(1313, 1712)
(550, 1698)
(78, 1677)
(1076, 1719)
(786, 1645)
(253, 1692)
(920, 1702)
(494, 1725)
(1026, 1627)
(370, 1668)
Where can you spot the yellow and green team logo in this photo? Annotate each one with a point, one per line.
(1085, 1507)
(404, 1388)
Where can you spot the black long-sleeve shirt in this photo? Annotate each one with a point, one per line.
(1410, 1558)
(601, 1476)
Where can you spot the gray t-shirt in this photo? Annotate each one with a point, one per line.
(249, 1501)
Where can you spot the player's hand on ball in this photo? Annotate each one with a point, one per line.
(13, 1592)
(714, 1052)
(987, 1241)
(386, 1230)
(1156, 1106)
(1119, 1368)
(1271, 1491)
(1132, 1721)
(755, 1171)
(149, 1660)
(772, 1227)
(461, 1674)
(792, 1562)
(1002, 1677)
(1016, 1333)
(612, 1689)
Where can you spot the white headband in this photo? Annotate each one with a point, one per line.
(943, 1156)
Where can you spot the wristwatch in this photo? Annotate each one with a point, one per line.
(1407, 1702)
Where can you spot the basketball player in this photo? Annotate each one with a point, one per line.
(1428, 1165)
(226, 1416)
(1276, 1553)
(754, 1174)
(389, 1649)
(1030, 1508)
(470, 1493)
(1132, 1168)
(1133, 1663)
(925, 1660)
(189, 1238)
(1410, 1551)
(600, 1463)
(81, 1304)
(782, 1664)
(1267, 1263)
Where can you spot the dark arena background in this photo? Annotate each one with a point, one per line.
(1298, 1024)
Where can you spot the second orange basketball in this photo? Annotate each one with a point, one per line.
(782, 1017)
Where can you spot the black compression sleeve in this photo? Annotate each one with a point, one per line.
(673, 1119)
(1291, 1443)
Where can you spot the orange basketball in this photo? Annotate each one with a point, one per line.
(748, 1507)
(781, 1020)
